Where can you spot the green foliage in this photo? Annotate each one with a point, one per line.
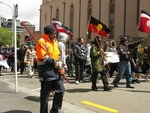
(5, 36)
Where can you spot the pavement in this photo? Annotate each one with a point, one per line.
(78, 98)
(28, 93)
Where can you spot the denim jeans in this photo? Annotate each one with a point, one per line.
(124, 68)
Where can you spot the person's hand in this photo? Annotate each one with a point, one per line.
(128, 53)
(61, 71)
(58, 64)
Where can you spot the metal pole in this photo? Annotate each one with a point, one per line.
(15, 43)
(11, 21)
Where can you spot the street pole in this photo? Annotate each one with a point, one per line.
(12, 44)
(15, 43)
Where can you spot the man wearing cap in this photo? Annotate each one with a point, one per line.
(48, 66)
(124, 66)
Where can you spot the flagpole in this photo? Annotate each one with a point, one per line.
(98, 43)
(88, 24)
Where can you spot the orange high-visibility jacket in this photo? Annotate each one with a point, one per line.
(46, 47)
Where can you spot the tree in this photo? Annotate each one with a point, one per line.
(5, 36)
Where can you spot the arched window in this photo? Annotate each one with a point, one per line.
(71, 18)
(89, 11)
(111, 17)
(57, 13)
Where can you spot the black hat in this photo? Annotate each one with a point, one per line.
(49, 29)
(123, 39)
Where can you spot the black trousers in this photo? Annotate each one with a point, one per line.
(113, 67)
(46, 87)
(79, 69)
(103, 77)
(21, 66)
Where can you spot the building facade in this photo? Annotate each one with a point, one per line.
(121, 16)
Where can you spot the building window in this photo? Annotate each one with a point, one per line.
(45, 16)
(89, 11)
(71, 19)
(57, 13)
(111, 18)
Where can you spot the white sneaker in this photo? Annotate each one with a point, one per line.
(77, 82)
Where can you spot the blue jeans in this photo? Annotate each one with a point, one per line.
(124, 68)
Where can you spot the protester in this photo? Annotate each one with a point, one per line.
(48, 67)
(80, 58)
(29, 59)
(20, 59)
(124, 66)
(112, 66)
(70, 61)
(98, 66)
(62, 39)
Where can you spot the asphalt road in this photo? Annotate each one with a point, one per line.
(78, 98)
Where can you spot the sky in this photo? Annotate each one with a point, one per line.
(28, 10)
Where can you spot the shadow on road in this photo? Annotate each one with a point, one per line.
(17, 111)
(33, 98)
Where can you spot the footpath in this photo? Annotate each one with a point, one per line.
(31, 87)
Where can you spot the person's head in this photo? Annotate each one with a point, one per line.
(50, 31)
(7, 46)
(72, 45)
(124, 40)
(112, 43)
(31, 47)
(80, 40)
(22, 47)
(106, 44)
(63, 37)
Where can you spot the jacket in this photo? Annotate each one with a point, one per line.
(123, 49)
(97, 59)
(80, 53)
(47, 54)
(30, 57)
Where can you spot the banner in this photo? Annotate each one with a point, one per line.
(112, 57)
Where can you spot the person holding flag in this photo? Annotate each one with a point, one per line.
(98, 66)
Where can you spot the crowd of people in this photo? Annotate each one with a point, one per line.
(26, 59)
(50, 58)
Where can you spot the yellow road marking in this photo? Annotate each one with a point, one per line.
(100, 106)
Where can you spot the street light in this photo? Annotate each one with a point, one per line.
(11, 21)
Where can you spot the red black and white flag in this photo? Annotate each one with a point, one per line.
(61, 28)
(144, 25)
(98, 27)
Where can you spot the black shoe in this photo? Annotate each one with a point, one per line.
(129, 87)
(107, 88)
(138, 81)
(94, 89)
(54, 111)
(115, 85)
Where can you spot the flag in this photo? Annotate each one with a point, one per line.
(28, 40)
(144, 25)
(61, 28)
(98, 27)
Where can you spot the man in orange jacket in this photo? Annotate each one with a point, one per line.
(48, 65)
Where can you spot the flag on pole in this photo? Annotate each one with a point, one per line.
(98, 27)
(144, 25)
(61, 28)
